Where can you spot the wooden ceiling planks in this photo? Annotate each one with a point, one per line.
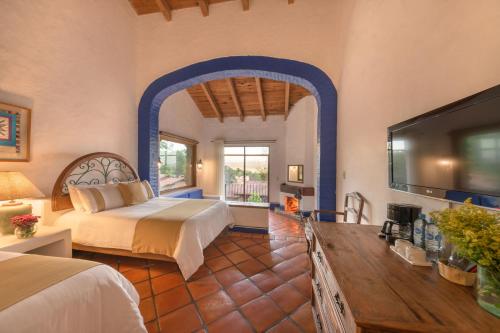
(144, 7)
(241, 97)
(165, 9)
(287, 99)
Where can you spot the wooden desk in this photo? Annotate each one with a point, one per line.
(360, 285)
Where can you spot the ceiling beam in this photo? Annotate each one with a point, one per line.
(203, 4)
(261, 98)
(234, 97)
(287, 99)
(165, 9)
(211, 100)
(245, 4)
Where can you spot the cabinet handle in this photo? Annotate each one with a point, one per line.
(318, 289)
(320, 257)
(318, 322)
(339, 303)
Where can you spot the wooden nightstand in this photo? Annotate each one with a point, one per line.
(49, 241)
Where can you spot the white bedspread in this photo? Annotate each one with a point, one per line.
(97, 300)
(115, 229)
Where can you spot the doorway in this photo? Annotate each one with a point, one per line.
(306, 75)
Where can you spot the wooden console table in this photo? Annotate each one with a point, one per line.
(360, 285)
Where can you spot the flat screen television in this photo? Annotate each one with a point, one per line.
(452, 152)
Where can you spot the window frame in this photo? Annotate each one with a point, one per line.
(166, 136)
(244, 155)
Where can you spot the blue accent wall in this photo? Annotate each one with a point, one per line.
(306, 75)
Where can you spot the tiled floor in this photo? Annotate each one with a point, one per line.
(249, 283)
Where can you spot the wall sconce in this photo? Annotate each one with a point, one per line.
(199, 164)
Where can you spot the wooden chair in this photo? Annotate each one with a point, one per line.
(353, 209)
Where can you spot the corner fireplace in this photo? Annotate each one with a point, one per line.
(295, 200)
(291, 205)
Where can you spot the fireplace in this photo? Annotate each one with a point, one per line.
(296, 200)
(291, 205)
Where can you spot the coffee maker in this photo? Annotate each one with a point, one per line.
(399, 223)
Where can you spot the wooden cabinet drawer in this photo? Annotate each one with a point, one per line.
(332, 296)
(330, 321)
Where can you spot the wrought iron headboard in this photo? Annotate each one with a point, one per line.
(91, 169)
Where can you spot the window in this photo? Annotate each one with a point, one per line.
(177, 162)
(246, 174)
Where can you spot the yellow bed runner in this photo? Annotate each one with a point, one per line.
(26, 275)
(158, 233)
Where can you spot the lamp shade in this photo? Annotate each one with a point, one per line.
(14, 185)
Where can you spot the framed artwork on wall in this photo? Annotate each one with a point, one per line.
(15, 127)
(296, 173)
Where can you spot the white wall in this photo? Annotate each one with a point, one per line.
(71, 62)
(311, 31)
(301, 137)
(179, 115)
(404, 58)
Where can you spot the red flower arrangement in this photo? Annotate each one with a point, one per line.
(24, 221)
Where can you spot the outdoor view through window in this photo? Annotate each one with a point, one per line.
(176, 165)
(246, 174)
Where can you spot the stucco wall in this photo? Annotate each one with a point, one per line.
(404, 58)
(309, 31)
(301, 137)
(179, 115)
(72, 62)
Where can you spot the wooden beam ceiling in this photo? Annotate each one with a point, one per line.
(245, 4)
(260, 97)
(211, 100)
(203, 6)
(240, 97)
(166, 7)
(287, 99)
(234, 96)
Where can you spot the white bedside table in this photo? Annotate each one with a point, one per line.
(49, 241)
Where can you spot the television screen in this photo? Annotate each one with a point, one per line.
(452, 152)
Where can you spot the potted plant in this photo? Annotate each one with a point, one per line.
(25, 225)
(475, 234)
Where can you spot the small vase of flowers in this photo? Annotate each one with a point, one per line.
(25, 225)
(475, 234)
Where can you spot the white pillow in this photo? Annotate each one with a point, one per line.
(75, 198)
(100, 198)
(148, 188)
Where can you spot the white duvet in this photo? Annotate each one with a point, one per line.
(98, 300)
(115, 229)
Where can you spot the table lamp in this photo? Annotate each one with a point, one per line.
(14, 185)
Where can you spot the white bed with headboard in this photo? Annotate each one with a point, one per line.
(112, 231)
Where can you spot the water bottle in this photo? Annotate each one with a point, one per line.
(432, 241)
(419, 231)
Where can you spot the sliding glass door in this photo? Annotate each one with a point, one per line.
(246, 174)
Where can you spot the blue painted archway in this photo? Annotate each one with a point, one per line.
(308, 76)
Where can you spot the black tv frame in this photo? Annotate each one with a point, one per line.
(481, 199)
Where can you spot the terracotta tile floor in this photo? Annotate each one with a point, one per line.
(249, 283)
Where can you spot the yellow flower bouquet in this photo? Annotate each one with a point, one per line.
(475, 233)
